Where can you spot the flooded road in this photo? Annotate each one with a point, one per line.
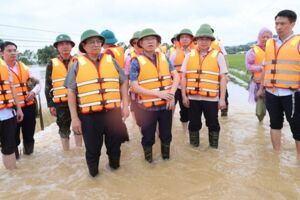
(244, 166)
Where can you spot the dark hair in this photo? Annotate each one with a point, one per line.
(6, 43)
(291, 15)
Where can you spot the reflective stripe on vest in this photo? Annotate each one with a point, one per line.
(6, 97)
(259, 57)
(203, 76)
(282, 64)
(153, 77)
(98, 87)
(58, 76)
(19, 82)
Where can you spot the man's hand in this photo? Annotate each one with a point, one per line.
(20, 115)
(53, 111)
(76, 126)
(30, 96)
(185, 101)
(125, 113)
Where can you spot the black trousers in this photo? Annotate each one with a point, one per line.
(210, 111)
(27, 125)
(149, 120)
(7, 136)
(107, 124)
(184, 115)
(277, 106)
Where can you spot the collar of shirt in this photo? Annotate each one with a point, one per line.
(96, 62)
(65, 61)
(153, 59)
(14, 68)
(203, 54)
(279, 42)
(186, 50)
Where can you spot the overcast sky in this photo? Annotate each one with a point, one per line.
(235, 22)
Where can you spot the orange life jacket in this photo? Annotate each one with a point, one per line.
(58, 76)
(6, 97)
(133, 54)
(282, 65)
(153, 77)
(216, 45)
(20, 83)
(171, 50)
(98, 87)
(118, 53)
(180, 55)
(203, 76)
(259, 57)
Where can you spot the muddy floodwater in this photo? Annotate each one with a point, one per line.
(244, 166)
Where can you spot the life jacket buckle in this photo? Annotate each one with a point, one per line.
(274, 62)
(100, 80)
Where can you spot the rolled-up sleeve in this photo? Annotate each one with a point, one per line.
(70, 81)
(134, 70)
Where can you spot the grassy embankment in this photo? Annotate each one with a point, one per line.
(237, 69)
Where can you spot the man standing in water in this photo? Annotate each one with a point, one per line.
(20, 76)
(8, 119)
(203, 77)
(98, 99)
(281, 76)
(55, 92)
(151, 76)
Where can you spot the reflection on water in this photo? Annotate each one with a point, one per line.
(244, 166)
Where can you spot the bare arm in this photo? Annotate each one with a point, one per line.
(76, 123)
(176, 81)
(223, 86)
(20, 114)
(260, 91)
(185, 99)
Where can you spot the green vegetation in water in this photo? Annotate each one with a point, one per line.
(237, 67)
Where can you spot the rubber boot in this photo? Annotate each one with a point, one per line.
(194, 138)
(213, 138)
(17, 153)
(114, 162)
(28, 148)
(165, 151)
(148, 154)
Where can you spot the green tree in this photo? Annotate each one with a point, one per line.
(27, 57)
(45, 54)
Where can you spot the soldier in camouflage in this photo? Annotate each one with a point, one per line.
(56, 93)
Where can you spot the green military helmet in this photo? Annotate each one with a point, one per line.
(86, 35)
(109, 37)
(205, 31)
(184, 31)
(63, 38)
(136, 35)
(174, 37)
(148, 32)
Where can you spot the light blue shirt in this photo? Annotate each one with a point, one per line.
(279, 91)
